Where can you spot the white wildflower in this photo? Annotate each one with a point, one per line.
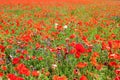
(65, 26)
(54, 66)
(56, 25)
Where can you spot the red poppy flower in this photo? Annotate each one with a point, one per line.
(1, 74)
(40, 58)
(113, 64)
(114, 56)
(76, 71)
(117, 71)
(84, 38)
(110, 44)
(17, 23)
(77, 54)
(97, 36)
(15, 60)
(25, 71)
(80, 48)
(1, 27)
(80, 23)
(99, 66)
(24, 52)
(38, 45)
(11, 76)
(4, 68)
(35, 73)
(2, 48)
(72, 44)
(26, 38)
(72, 51)
(55, 77)
(21, 57)
(18, 51)
(72, 36)
(19, 78)
(95, 54)
(83, 77)
(33, 57)
(21, 68)
(81, 64)
(14, 77)
(117, 78)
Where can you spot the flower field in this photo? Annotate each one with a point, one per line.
(59, 40)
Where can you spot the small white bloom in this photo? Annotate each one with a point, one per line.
(65, 26)
(112, 55)
(56, 24)
(54, 66)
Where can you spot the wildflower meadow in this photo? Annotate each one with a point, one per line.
(59, 39)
